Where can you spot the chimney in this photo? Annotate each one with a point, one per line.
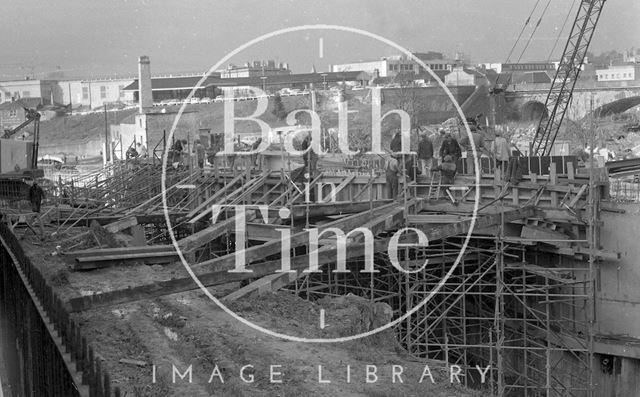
(145, 96)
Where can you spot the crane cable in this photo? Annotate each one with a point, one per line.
(526, 23)
(534, 31)
(564, 24)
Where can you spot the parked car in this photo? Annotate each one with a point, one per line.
(219, 98)
(50, 161)
(206, 100)
(194, 100)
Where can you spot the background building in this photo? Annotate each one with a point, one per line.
(393, 65)
(77, 93)
(255, 68)
(461, 76)
(520, 67)
(627, 72)
(93, 93)
(178, 88)
(12, 113)
(17, 89)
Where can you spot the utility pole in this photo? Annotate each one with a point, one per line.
(70, 101)
(107, 149)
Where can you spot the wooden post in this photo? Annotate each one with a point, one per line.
(553, 179)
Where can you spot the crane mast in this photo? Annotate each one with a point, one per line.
(567, 73)
(31, 116)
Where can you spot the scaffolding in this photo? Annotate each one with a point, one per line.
(517, 305)
(510, 303)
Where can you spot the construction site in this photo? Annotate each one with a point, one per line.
(159, 276)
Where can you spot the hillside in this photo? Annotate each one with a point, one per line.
(79, 128)
(69, 134)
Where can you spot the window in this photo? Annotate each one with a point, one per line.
(13, 113)
(85, 92)
(120, 89)
(103, 92)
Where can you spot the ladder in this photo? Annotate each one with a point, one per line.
(434, 186)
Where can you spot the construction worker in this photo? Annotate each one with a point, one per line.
(310, 158)
(211, 155)
(448, 169)
(425, 154)
(36, 195)
(451, 148)
(436, 140)
(476, 140)
(392, 172)
(501, 153)
(142, 150)
(175, 153)
(200, 153)
(396, 143)
(254, 146)
(132, 153)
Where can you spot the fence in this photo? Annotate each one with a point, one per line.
(626, 190)
(47, 353)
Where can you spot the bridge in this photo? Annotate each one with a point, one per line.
(528, 100)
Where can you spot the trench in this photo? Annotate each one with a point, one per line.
(43, 351)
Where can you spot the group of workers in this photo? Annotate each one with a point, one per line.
(441, 152)
(177, 152)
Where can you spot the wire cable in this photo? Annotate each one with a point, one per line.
(564, 24)
(524, 27)
(526, 23)
(534, 31)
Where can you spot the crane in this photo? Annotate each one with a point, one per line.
(567, 73)
(31, 117)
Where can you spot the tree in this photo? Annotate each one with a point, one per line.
(410, 98)
(278, 108)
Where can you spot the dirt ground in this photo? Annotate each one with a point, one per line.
(166, 336)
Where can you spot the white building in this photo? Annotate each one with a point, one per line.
(523, 67)
(86, 93)
(391, 66)
(94, 93)
(618, 73)
(460, 76)
(19, 89)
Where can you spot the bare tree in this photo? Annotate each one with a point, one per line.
(407, 98)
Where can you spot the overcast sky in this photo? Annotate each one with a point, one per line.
(101, 37)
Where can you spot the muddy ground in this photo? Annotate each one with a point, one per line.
(168, 335)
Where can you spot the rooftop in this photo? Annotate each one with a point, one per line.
(175, 83)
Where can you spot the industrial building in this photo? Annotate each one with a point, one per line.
(391, 66)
